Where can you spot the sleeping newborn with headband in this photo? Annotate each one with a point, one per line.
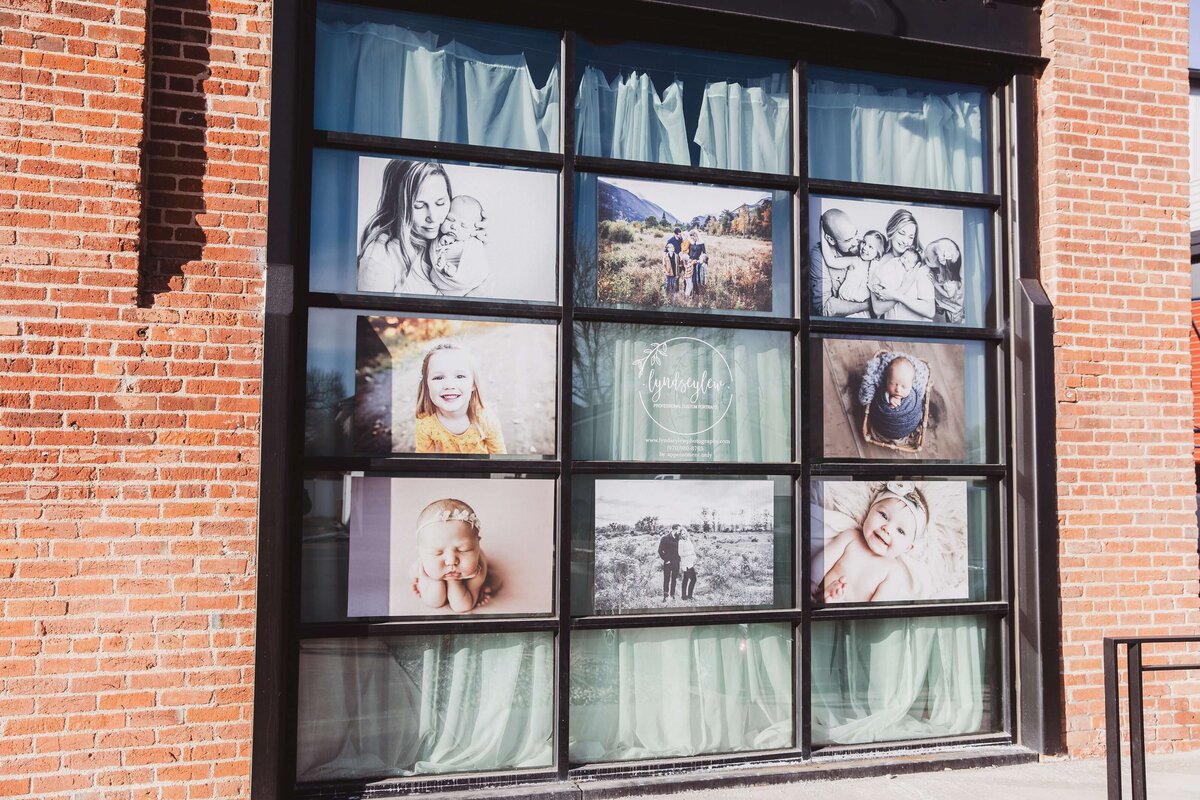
(863, 564)
(450, 566)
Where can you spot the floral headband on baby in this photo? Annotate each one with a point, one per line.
(908, 494)
(452, 515)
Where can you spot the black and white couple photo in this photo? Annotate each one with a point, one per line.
(876, 260)
(453, 230)
(684, 544)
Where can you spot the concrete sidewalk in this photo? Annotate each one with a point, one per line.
(1169, 777)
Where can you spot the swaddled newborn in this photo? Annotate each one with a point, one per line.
(897, 397)
(459, 261)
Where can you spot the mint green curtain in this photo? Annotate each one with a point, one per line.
(426, 704)
(904, 135)
(389, 80)
(881, 680)
(673, 692)
(611, 422)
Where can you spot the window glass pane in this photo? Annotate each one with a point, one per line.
(881, 680)
(674, 692)
(421, 227)
(412, 76)
(673, 105)
(902, 131)
(901, 262)
(902, 540)
(681, 543)
(658, 393)
(411, 705)
(381, 384)
(1194, 34)
(733, 252)
(1194, 194)
(372, 547)
(902, 399)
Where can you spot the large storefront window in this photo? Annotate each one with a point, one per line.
(654, 407)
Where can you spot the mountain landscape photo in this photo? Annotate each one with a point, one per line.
(724, 262)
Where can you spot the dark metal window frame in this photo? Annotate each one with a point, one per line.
(1019, 519)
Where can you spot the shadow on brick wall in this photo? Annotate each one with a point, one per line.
(174, 161)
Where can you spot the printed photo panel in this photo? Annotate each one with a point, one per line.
(898, 262)
(901, 399)
(673, 246)
(450, 547)
(658, 393)
(681, 543)
(410, 226)
(902, 540)
(383, 385)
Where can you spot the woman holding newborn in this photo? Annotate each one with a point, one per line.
(395, 253)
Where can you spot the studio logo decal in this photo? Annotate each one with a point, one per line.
(684, 385)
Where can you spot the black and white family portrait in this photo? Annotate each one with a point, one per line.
(876, 541)
(430, 228)
(898, 399)
(875, 260)
(684, 544)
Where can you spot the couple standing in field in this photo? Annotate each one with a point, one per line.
(678, 554)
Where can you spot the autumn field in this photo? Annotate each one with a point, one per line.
(630, 270)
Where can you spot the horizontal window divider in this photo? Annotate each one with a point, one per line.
(449, 151)
(660, 767)
(685, 319)
(672, 618)
(420, 466)
(617, 168)
(890, 330)
(435, 626)
(722, 469)
(429, 306)
(830, 752)
(917, 469)
(379, 785)
(846, 612)
(883, 191)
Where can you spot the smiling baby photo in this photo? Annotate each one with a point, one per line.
(875, 541)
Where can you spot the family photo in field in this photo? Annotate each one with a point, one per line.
(684, 544)
(665, 244)
(875, 541)
(877, 260)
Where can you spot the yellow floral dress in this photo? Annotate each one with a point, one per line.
(483, 437)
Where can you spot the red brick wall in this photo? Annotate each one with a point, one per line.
(1113, 165)
(129, 399)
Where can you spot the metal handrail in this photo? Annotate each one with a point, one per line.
(1137, 724)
